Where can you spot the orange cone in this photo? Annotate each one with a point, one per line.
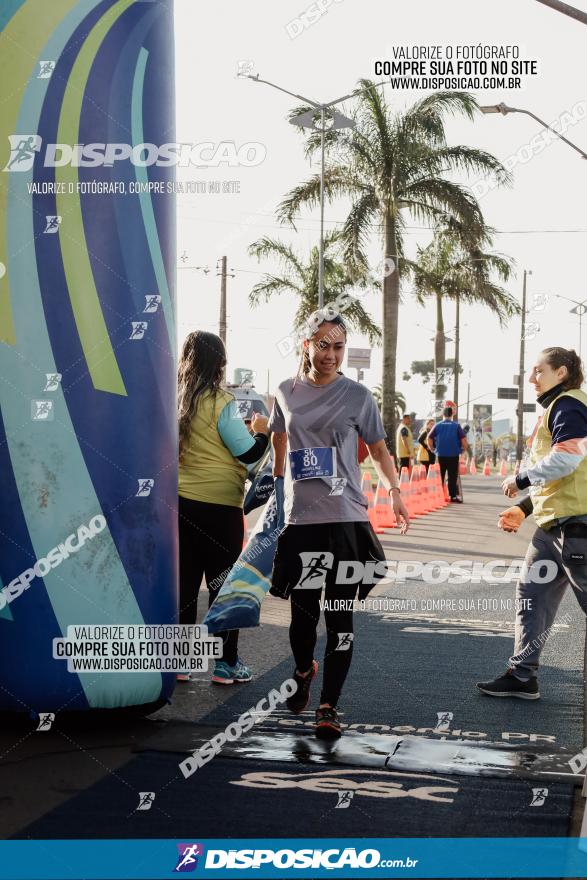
(462, 467)
(503, 469)
(383, 509)
(473, 467)
(367, 487)
(416, 493)
(486, 467)
(426, 503)
(245, 532)
(431, 493)
(406, 491)
(374, 520)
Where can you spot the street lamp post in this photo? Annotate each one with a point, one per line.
(504, 110)
(579, 310)
(307, 120)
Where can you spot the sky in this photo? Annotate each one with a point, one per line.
(540, 220)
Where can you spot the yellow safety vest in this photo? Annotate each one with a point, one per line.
(208, 471)
(564, 497)
(404, 445)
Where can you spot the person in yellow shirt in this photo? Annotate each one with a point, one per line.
(404, 444)
(214, 449)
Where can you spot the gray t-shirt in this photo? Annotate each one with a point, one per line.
(323, 424)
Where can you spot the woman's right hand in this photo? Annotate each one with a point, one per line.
(259, 424)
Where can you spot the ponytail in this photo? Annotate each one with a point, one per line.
(561, 357)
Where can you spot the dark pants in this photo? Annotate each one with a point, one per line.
(210, 542)
(305, 615)
(404, 463)
(449, 464)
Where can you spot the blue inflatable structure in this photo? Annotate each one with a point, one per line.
(88, 438)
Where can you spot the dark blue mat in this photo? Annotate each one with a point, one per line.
(233, 798)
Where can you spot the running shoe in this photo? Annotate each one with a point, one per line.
(508, 685)
(300, 699)
(226, 674)
(327, 723)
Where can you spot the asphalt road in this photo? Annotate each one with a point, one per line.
(413, 677)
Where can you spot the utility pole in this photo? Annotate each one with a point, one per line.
(456, 364)
(224, 274)
(520, 410)
(468, 395)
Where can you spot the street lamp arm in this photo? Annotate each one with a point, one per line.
(571, 11)
(546, 125)
(355, 93)
(280, 89)
(568, 299)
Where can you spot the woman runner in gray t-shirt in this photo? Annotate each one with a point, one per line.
(316, 421)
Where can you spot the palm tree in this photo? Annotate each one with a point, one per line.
(392, 165)
(301, 278)
(400, 401)
(453, 266)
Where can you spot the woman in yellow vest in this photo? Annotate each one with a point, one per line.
(556, 476)
(425, 455)
(214, 447)
(404, 444)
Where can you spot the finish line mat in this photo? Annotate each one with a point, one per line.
(407, 753)
(235, 797)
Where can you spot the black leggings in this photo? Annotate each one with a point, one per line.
(305, 614)
(210, 542)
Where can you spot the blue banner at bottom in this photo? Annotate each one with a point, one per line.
(276, 858)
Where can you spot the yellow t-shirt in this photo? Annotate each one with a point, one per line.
(208, 470)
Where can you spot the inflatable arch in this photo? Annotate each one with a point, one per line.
(88, 438)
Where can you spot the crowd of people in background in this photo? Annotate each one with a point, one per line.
(444, 441)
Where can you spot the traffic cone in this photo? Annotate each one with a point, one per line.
(367, 488)
(503, 469)
(245, 532)
(462, 467)
(473, 467)
(383, 509)
(486, 467)
(406, 491)
(431, 492)
(426, 502)
(374, 520)
(416, 493)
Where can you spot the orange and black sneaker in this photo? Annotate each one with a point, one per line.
(327, 723)
(300, 699)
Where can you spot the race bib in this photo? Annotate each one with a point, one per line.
(312, 462)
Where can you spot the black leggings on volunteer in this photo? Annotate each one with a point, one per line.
(210, 542)
(308, 556)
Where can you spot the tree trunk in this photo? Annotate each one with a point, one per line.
(439, 358)
(457, 351)
(390, 330)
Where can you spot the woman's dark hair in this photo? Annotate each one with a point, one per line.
(562, 357)
(201, 365)
(316, 321)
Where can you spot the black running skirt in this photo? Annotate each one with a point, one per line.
(346, 541)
